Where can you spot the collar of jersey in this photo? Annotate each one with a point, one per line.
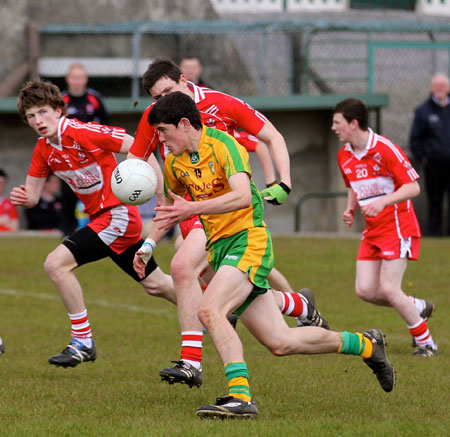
(371, 141)
(199, 95)
(62, 125)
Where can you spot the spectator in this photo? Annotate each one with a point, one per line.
(430, 144)
(192, 68)
(47, 214)
(9, 219)
(84, 104)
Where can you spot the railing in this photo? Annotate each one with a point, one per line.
(433, 7)
(316, 195)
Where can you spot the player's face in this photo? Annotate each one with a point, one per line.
(44, 120)
(77, 81)
(341, 127)
(166, 86)
(175, 138)
(191, 68)
(440, 87)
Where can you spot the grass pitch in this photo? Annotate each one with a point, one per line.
(136, 335)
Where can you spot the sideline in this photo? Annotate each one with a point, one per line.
(98, 302)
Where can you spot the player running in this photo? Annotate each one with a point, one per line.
(82, 155)
(214, 168)
(227, 113)
(382, 182)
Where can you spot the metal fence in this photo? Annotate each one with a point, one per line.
(268, 57)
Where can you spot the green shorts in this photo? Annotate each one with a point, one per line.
(251, 252)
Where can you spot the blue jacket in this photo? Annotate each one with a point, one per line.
(430, 132)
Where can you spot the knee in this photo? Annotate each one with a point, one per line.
(181, 269)
(208, 314)
(279, 345)
(365, 293)
(280, 348)
(157, 285)
(204, 314)
(52, 265)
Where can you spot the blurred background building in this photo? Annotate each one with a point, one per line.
(292, 59)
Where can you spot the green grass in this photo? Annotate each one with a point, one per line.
(136, 335)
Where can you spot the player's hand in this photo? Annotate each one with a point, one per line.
(348, 217)
(143, 256)
(174, 214)
(276, 194)
(374, 208)
(19, 196)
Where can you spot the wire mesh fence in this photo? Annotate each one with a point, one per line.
(266, 58)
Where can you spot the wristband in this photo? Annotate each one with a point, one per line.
(151, 242)
(285, 187)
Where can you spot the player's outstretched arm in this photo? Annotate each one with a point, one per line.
(28, 195)
(277, 194)
(239, 197)
(126, 143)
(263, 154)
(143, 255)
(348, 216)
(405, 192)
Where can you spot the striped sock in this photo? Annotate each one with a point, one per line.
(237, 375)
(355, 344)
(294, 305)
(421, 333)
(81, 329)
(191, 348)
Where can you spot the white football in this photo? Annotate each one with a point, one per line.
(134, 182)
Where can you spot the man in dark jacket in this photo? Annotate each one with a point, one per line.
(430, 144)
(84, 104)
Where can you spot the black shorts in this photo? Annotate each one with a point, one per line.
(86, 247)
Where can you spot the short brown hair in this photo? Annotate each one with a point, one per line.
(39, 93)
(353, 109)
(172, 107)
(159, 68)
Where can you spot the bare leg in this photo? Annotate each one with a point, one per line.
(379, 282)
(264, 320)
(278, 282)
(226, 292)
(59, 266)
(187, 264)
(159, 284)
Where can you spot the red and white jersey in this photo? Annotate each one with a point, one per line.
(217, 110)
(7, 209)
(83, 158)
(380, 170)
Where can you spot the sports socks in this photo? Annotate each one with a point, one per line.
(237, 375)
(81, 329)
(191, 348)
(421, 333)
(294, 305)
(355, 344)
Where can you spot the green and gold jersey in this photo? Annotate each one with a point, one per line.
(204, 174)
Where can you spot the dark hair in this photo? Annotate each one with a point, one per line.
(353, 109)
(3, 174)
(39, 93)
(172, 107)
(159, 68)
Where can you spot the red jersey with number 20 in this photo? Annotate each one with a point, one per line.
(381, 170)
(217, 110)
(83, 158)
